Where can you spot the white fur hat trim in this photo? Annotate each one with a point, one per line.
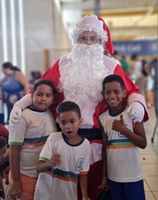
(90, 23)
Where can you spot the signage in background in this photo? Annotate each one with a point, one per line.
(140, 47)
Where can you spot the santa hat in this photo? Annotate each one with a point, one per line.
(96, 24)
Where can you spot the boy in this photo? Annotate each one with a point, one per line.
(27, 138)
(123, 139)
(64, 159)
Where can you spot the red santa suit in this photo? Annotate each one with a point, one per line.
(4, 131)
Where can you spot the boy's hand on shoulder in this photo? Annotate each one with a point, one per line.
(118, 125)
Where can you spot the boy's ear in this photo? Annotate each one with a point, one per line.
(81, 120)
(125, 93)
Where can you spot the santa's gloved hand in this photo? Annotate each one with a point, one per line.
(136, 111)
(15, 115)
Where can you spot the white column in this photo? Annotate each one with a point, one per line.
(22, 38)
(13, 32)
(4, 30)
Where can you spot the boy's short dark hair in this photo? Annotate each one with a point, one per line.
(4, 162)
(43, 82)
(69, 106)
(112, 78)
(3, 142)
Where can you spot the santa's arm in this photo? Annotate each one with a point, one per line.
(133, 94)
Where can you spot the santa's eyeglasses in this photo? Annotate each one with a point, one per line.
(88, 38)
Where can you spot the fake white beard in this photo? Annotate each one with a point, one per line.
(82, 76)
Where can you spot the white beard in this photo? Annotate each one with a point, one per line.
(82, 76)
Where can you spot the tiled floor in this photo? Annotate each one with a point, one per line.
(149, 159)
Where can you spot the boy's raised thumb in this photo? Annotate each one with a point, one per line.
(121, 118)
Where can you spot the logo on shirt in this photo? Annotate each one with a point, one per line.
(79, 164)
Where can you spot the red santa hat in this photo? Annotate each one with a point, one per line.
(96, 24)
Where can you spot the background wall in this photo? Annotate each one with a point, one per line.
(46, 24)
(42, 29)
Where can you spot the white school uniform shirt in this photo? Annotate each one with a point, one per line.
(123, 160)
(31, 133)
(60, 182)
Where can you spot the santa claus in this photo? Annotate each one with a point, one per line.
(78, 77)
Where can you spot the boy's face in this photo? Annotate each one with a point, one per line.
(42, 98)
(113, 94)
(69, 123)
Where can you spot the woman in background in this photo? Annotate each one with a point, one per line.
(14, 85)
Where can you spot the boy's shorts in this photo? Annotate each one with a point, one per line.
(29, 184)
(127, 191)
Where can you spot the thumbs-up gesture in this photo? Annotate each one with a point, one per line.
(118, 125)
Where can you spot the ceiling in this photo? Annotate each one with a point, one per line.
(126, 19)
(111, 4)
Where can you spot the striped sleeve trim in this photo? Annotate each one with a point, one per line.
(43, 159)
(15, 143)
(83, 173)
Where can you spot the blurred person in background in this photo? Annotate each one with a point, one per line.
(117, 56)
(35, 75)
(153, 64)
(14, 85)
(125, 65)
(122, 61)
(1, 100)
(1, 108)
(3, 146)
(4, 174)
(78, 77)
(3, 150)
(136, 67)
(142, 82)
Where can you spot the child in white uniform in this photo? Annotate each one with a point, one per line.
(64, 159)
(121, 138)
(27, 138)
